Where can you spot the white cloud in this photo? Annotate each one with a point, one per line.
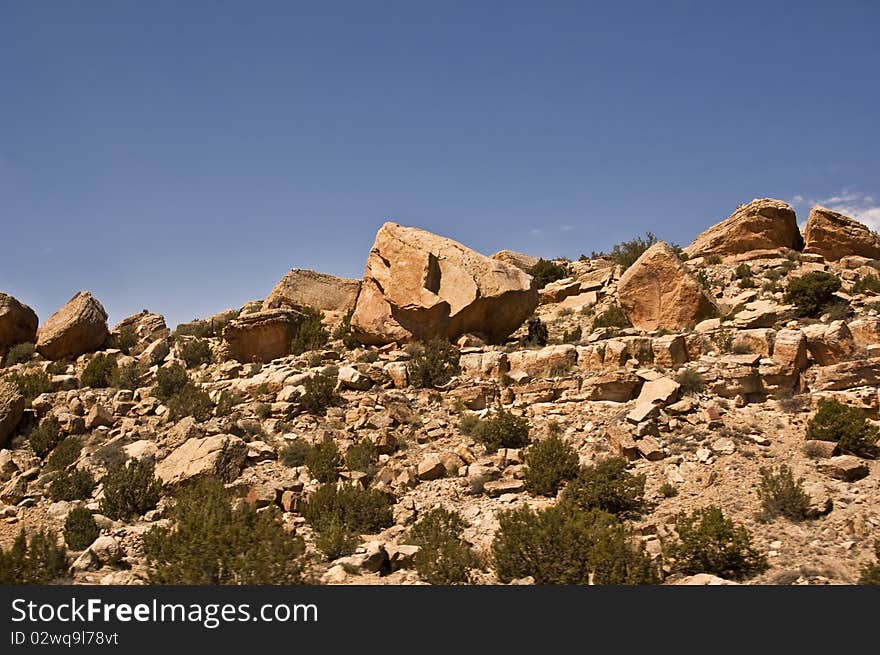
(536, 233)
(856, 204)
(797, 200)
(566, 228)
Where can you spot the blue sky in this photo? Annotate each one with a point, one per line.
(182, 156)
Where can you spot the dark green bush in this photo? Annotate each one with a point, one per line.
(574, 336)
(613, 317)
(125, 340)
(503, 430)
(550, 463)
(190, 401)
(19, 354)
(169, 381)
(64, 454)
(226, 403)
(31, 384)
(130, 490)
(782, 495)
(320, 392)
(196, 352)
(294, 453)
(870, 574)
(126, 376)
(80, 529)
(212, 543)
(309, 333)
(343, 332)
(668, 490)
(562, 545)
(626, 253)
(323, 460)
(359, 510)
(536, 333)
(711, 543)
(608, 486)
(433, 363)
(362, 456)
(691, 381)
(866, 284)
(39, 560)
(546, 271)
(811, 292)
(335, 539)
(848, 426)
(443, 557)
(98, 373)
(45, 436)
(72, 484)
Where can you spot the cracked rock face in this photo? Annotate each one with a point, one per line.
(18, 322)
(418, 285)
(77, 328)
(834, 236)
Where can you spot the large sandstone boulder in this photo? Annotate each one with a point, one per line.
(657, 291)
(222, 455)
(418, 285)
(301, 288)
(764, 224)
(262, 336)
(521, 261)
(835, 236)
(18, 323)
(77, 328)
(11, 409)
(147, 327)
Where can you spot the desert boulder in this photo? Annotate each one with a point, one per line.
(18, 323)
(77, 328)
(834, 236)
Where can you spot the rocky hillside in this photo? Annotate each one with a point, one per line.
(617, 396)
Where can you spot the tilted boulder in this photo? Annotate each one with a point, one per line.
(303, 288)
(657, 291)
(18, 323)
(521, 261)
(11, 409)
(222, 455)
(418, 286)
(147, 327)
(834, 236)
(77, 328)
(262, 336)
(762, 224)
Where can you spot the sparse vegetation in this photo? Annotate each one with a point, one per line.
(546, 271)
(782, 495)
(625, 253)
(433, 363)
(550, 463)
(744, 275)
(80, 529)
(574, 336)
(45, 436)
(98, 373)
(668, 490)
(691, 381)
(38, 560)
(169, 381)
(536, 333)
(845, 425)
(64, 454)
(19, 354)
(443, 558)
(190, 401)
(31, 384)
(310, 333)
(195, 352)
(613, 317)
(340, 514)
(344, 333)
(870, 574)
(866, 284)
(323, 461)
(294, 453)
(362, 456)
(810, 293)
(126, 376)
(72, 484)
(125, 340)
(607, 486)
(320, 391)
(130, 490)
(503, 430)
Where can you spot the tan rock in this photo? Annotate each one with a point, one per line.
(518, 259)
(148, 327)
(650, 449)
(18, 323)
(865, 330)
(834, 236)
(790, 349)
(221, 455)
(485, 365)
(829, 344)
(496, 488)
(303, 288)
(820, 448)
(558, 291)
(657, 291)
(544, 362)
(622, 443)
(660, 391)
(845, 467)
(846, 375)
(670, 351)
(77, 328)
(758, 341)
(262, 336)
(418, 285)
(431, 467)
(11, 409)
(99, 416)
(762, 224)
(618, 386)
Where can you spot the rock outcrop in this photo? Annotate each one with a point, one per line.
(299, 288)
(418, 285)
(762, 224)
(18, 323)
(835, 236)
(11, 409)
(147, 328)
(222, 456)
(262, 336)
(522, 261)
(657, 291)
(77, 328)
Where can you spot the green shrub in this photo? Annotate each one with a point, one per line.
(782, 495)
(691, 381)
(668, 490)
(546, 271)
(212, 543)
(711, 543)
(866, 284)
(503, 430)
(126, 376)
(335, 539)
(169, 381)
(125, 340)
(45, 436)
(432, 364)
(323, 461)
(744, 275)
(559, 545)
(359, 510)
(196, 352)
(343, 332)
(39, 560)
(80, 529)
(714, 259)
(848, 426)
(811, 292)
(870, 574)
(98, 373)
(309, 333)
(536, 333)
(626, 253)
(443, 557)
(613, 317)
(130, 490)
(190, 401)
(574, 336)
(64, 454)
(294, 453)
(226, 403)
(31, 384)
(320, 392)
(550, 463)
(468, 424)
(362, 456)
(72, 484)
(607, 486)
(19, 354)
